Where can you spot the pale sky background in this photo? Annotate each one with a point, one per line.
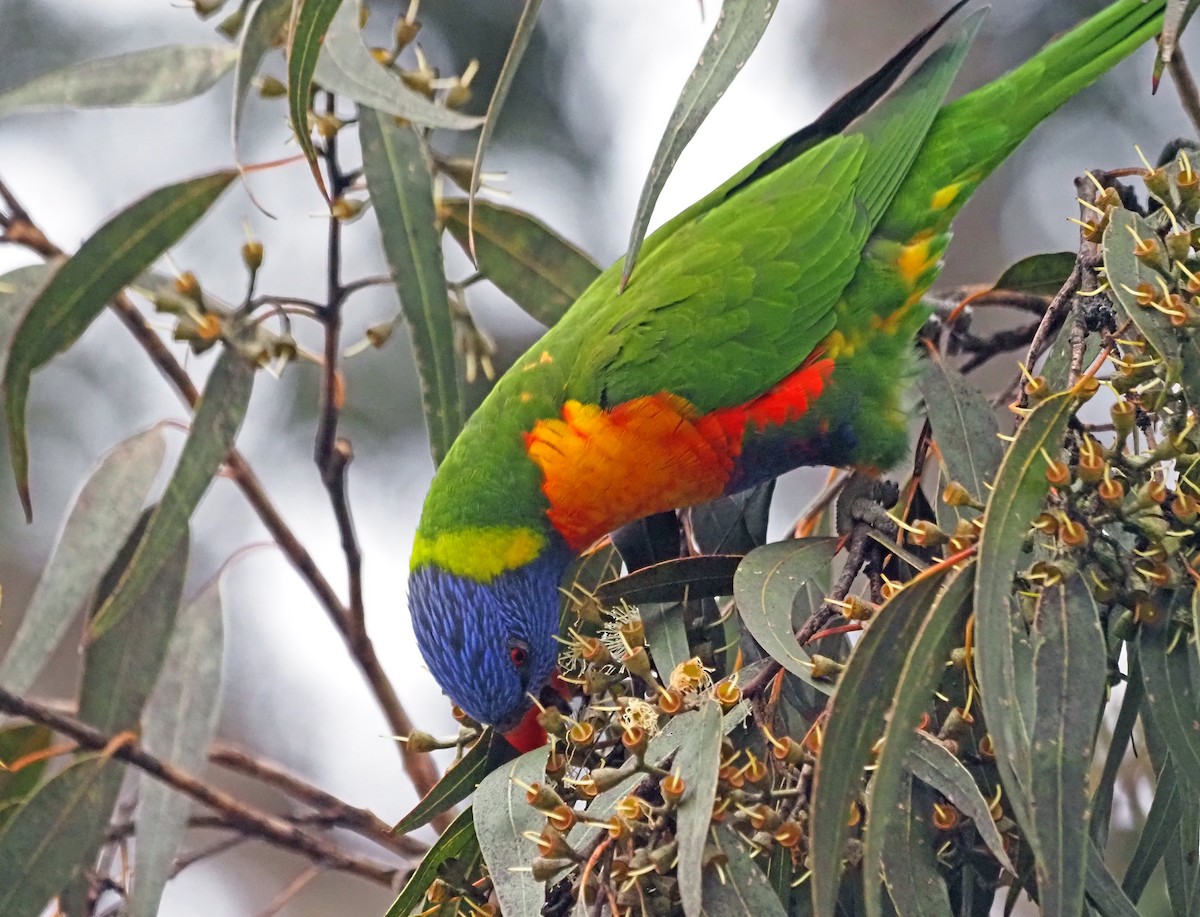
(291, 692)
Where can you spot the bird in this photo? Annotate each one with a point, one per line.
(769, 325)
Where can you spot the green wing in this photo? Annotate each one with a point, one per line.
(734, 299)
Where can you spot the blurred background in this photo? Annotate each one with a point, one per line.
(577, 136)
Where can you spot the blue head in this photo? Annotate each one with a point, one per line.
(489, 645)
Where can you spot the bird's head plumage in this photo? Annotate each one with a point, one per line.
(490, 644)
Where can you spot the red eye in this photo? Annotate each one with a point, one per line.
(518, 652)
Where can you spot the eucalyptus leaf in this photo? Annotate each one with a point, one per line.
(738, 888)
(265, 22)
(502, 816)
(927, 638)
(398, 176)
(180, 721)
(528, 262)
(1127, 273)
(699, 760)
(456, 841)
(51, 837)
(1157, 832)
(156, 76)
(1016, 499)
(1171, 699)
(460, 781)
(1069, 682)
(666, 635)
(676, 580)
(855, 721)
(765, 587)
(214, 428)
(347, 68)
(909, 860)
(735, 35)
(106, 262)
(1038, 275)
(104, 514)
(1103, 892)
(16, 742)
(306, 31)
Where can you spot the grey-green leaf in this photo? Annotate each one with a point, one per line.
(306, 31)
(106, 262)
(698, 761)
(346, 67)
(765, 587)
(1103, 891)
(966, 432)
(1038, 275)
(927, 637)
(105, 513)
(1171, 698)
(931, 762)
(915, 884)
(739, 888)
(508, 72)
(214, 428)
(1126, 273)
(1019, 490)
(50, 838)
(855, 720)
(528, 262)
(156, 76)
(179, 722)
(398, 176)
(17, 290)
(502, 816)
(1069, 682)
(454, 842)
(738, 29)
(264, 23)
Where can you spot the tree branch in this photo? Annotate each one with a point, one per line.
(241, 817)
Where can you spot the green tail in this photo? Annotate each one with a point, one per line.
(974, 134)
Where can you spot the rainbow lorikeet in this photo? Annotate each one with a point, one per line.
(767, 326)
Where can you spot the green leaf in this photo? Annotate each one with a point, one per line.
(528, 262)
(666, 635)
(1161, 825)
(1019, 491)
(735, 524)
(765, 587)
(214, 428)
(17, 290)
(121, 666)
(737, 31)
(105, 513)
(264, 24)
(855, 720)
(1103, 891)
(52, 836)
(1038, 275)
(459, 781)
(156, 76)
(1122, 733)
(15, 743)
(679, 580)
(345, 67)
(914, 883)
(398, 176)
(1126, 272)
(455, 841)
(698, 760)
(306, 30)
(1171, 698)
(109, 260)
(931, 762)
(1069, 673)
(738, 888)
(927, 638)
(965, 429)
(502, 816)
(180, 721)
(508, 72)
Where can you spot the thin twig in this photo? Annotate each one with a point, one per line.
(418, 765)
(290, 891)
(1189, 96)
(244, 818)
(338, 812)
